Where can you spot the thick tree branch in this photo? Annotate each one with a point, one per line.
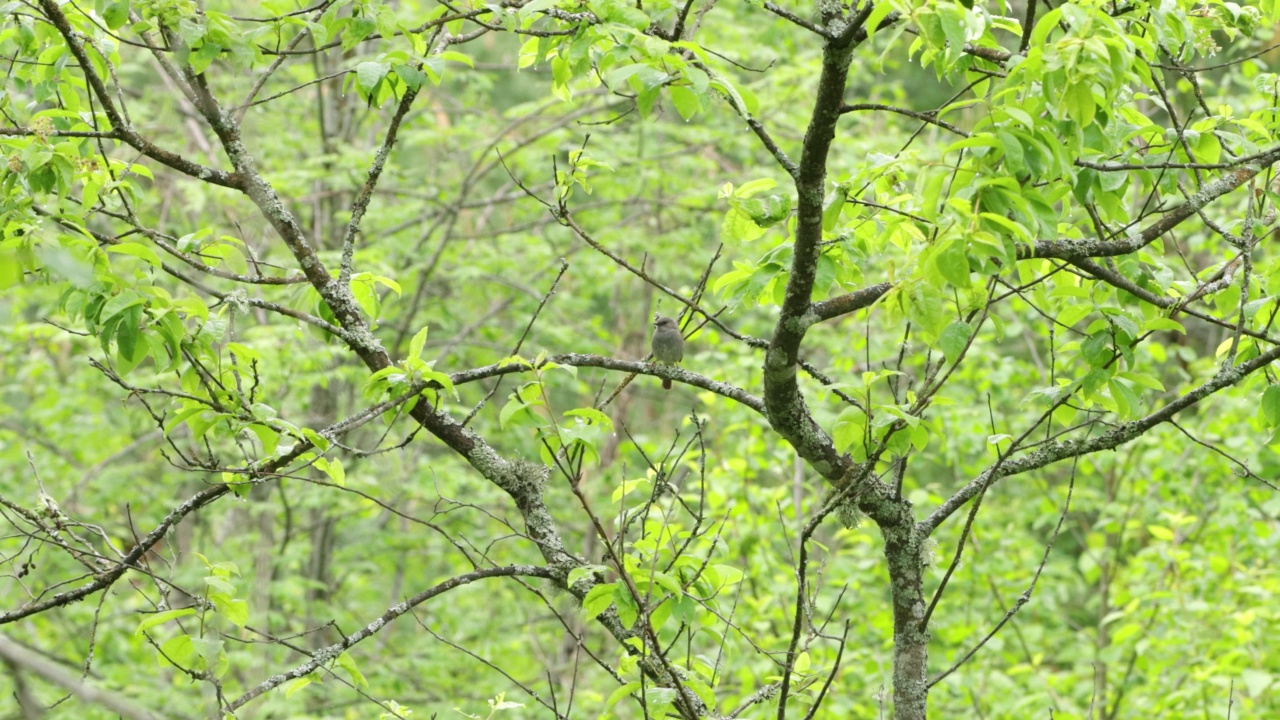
(795, 19)
(1081, 250)
(107, 578)
(786, 407)
(850, 302)
(1178, 305)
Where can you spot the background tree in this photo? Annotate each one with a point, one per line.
(324, 327)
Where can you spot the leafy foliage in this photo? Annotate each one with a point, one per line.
(978, 402)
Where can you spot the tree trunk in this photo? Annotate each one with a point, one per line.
(904, 549)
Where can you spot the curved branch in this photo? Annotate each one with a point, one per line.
(361, 204)
(794, 19)
(1178, 305)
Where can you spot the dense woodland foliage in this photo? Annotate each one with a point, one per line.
(325, 388)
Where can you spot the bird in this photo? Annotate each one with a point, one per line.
(668, 344)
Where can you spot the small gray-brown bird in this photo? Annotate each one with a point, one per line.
(668, 344)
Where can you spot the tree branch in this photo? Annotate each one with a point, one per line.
(331, 653)
(1054, 451)
(123, 129)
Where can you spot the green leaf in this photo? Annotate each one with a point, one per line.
(116, 14)
(348, 663)
(236, 611)
(617, 695)
(1097, 349)
(1143, 379)
(418, 343)
(739, 227)
(1093, 381)
(598, 599)
(1270, 406)
(802, 663)
(850, 429)
(333, 468)
(585, 571)
(269, 438)
(625, 604)
(179, 651)
(953, 339)
(231, 257)
(162, 617)
(297, 685)
(685, 100)
(1127, 402)
(593, 416)
(629, 486)
(443, 380)
(755, 187)
(953, 263)
(369, 74)
(320, 442)
(831, 213)
(1074, 313)
(204, 56)
(455, 56)
(412, 76)
(137, 250)
(1079, 103)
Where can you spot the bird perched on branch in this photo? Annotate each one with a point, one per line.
(668, 344)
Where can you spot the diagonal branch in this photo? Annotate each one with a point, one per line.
(1077, 250)
(121, 128)
(1069, 249)
(1055, 451)
(361, 204)
(794, 19)
(329, 654)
